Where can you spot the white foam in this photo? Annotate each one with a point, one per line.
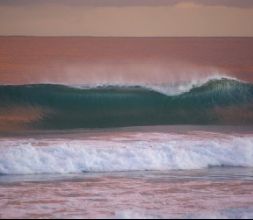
(184, 87)
(146, 151)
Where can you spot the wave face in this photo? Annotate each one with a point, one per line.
(218, 101)
(139, 152)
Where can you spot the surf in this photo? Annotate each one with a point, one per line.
(136, 152)
(216, 101)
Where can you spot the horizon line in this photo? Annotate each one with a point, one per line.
(107, 36)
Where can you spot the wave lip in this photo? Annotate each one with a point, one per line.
(169, 152)
(169, 89)
(185, 87)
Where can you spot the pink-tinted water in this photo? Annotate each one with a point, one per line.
(215, 193)
(220, 192)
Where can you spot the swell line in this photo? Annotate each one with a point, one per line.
(220, 101)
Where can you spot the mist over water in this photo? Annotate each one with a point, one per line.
(122, 60)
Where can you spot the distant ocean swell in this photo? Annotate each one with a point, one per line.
(220, 101)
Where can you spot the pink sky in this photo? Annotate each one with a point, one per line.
(150, 18)
(228, 3)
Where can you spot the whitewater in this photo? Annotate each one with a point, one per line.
(151, 151)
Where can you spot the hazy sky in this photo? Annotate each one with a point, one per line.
(127, 17)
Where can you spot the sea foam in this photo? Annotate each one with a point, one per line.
(150, 151)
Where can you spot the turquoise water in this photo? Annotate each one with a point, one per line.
(216, 102)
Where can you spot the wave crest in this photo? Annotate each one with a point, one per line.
(169, 89)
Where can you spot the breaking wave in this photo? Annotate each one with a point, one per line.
(215, 101)
(142, 152)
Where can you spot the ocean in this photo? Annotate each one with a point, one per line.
(140, 172)
(177, 147)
